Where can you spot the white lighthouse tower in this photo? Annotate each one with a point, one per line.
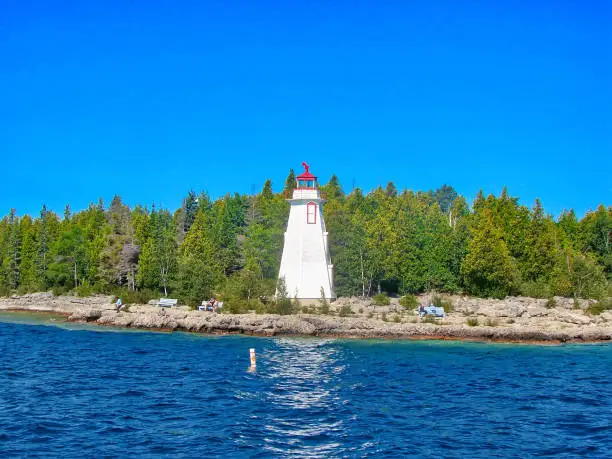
(306, 264)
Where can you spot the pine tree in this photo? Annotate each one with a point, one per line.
(12, 255)
(391, 190)
(190, 208)
(290, 184)
(30, 280)
(332, 190)
(267, 193)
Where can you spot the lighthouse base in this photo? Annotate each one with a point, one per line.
(314, 301)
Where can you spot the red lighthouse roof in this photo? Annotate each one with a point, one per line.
(306, 180)
(306, 175)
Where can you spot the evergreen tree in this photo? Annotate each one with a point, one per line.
(391, 190)
(290, 184)
(267, 193)
(12, 255)
(69, 266)
(190, 209)
(596, 229)
(158, 258)
(48, 229)
(444, 196)
(488, 269)
(332, 190)
(29, 280)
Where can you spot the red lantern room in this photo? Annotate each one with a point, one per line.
(306, 180)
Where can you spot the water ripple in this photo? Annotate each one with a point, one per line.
(74, 392)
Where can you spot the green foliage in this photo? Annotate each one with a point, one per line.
(536, 289)
(550, 303)
(409, 301)
(600, 306)
(345, 311)
(283, 302)
(323, 303)
(142, 296)
(400, 242)
(442, 302)
(381, 299)
(488, 269)
(290, 184)
(85, 289)
(59, 290)
(472, 322)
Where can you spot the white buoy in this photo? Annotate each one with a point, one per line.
(253, 359)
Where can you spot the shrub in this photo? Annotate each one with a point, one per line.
(360, 310)
(142, 296)
(491, 322)
(384, 317)
(429, 320)
(510, 321)
(537, 289)
(382, 299)
(370, 315)
(472, 322)
(84, 290)
(551, 303)
(345, 311)
(442, 302)
(60, 290)
(600, 306)
(409, 302)
(397, 319)
(323, 303)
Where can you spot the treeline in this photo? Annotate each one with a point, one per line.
(384, 241)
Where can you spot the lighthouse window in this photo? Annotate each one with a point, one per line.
(306, 184)
(311, 213)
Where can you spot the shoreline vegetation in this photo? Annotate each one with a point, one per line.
(511, 320)
(385, 241)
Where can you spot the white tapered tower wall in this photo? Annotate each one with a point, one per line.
(306, 263)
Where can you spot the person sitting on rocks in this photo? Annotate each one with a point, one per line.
(210, 306)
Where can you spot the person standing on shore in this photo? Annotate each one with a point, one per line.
(118, 305)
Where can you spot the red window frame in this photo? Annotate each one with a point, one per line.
(311, 213)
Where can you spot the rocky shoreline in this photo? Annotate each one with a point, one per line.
(514, 319)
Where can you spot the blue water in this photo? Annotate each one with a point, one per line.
(73, 391)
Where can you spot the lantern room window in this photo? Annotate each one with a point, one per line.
(311, 213)
(306, 184)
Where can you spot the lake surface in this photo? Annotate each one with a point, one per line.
(75, 391)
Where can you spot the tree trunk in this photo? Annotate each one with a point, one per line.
(362, 276)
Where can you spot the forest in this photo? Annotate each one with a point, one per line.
(397, 242)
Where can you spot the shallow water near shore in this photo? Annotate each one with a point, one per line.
(76, 391)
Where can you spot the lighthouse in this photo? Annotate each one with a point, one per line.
(306, 264)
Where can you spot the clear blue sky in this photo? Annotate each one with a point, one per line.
(149, 99)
